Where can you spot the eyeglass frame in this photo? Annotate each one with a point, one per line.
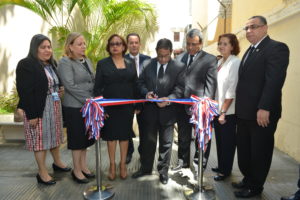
(164, 56)
(193, 44)
(253, 27)
(118, 44)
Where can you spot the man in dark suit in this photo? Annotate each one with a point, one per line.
(134, 44)
(162, 78)
(258, 105)
(201, 80)
(296, 196)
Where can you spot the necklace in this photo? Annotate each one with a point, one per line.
(82, 60)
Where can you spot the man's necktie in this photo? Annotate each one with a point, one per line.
(160, 72)
(250, 53)
(159, 79)
(191, 60)
(137, 66)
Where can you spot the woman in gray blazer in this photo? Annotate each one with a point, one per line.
(76, 73)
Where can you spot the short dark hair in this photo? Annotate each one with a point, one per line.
(35, 42)
(262, 19)
(164, 44)
(194, 32)
(233, 41)
(123, 42)
(133, 34)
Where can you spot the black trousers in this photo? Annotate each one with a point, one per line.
(130, 141)
(148, 142)
(184, 135)
(184, 138)
(297, 194)
(299, 179)
(255, 146)
(226, 143)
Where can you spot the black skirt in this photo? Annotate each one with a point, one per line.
(77, 137)
(118, 126)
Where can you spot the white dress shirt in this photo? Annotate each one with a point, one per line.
(158, 66)
(137, 62)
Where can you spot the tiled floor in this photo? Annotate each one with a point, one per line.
(18, 170)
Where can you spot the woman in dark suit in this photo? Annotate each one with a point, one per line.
(39, 90)
(76, 73)
(115, 78)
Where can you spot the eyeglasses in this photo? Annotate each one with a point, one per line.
(252, 27)
(163, 56)
(192, 44)
(222, 43)
(115, 44)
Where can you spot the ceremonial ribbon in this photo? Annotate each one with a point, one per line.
(203, 112)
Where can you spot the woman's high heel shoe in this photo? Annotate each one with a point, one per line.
(90, 175)
(123, 171)
(57, 168)
(40, 180)
(78, 180)
(112, 172)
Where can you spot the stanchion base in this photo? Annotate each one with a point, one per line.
(94, 194)
(196, 194)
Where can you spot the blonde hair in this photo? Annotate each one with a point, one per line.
(69, 41)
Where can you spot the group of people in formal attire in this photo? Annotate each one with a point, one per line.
(248, 92)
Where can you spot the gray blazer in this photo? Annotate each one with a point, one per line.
(76, 79)
(201, 76)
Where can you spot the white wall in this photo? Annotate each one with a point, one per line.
(17, 26)
(172, 15)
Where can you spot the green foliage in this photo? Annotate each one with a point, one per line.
(9, 102)
(95, 19)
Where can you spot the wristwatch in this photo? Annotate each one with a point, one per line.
(223, 112)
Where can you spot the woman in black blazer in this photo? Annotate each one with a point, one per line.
(39, 90)
(115, 78)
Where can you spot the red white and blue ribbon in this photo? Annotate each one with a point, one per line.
(203, 112)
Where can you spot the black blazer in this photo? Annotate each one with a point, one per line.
(201, 76)
(32, 87)
(109, 84)
(171, 86)
(142, 58)
(261, 78)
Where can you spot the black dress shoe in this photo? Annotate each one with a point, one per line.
(40, 180)
(215, 169)
(57, 168)
(290, 198)
(84, 180)
(239, 185)
(296, 196)
(140, 173)
(220, 177)
(247, 193)
(90, 175)
(128, 158)
(163, 178)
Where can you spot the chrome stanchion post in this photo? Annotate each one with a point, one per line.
(200, 192)
(200, 170)
(96, 193)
